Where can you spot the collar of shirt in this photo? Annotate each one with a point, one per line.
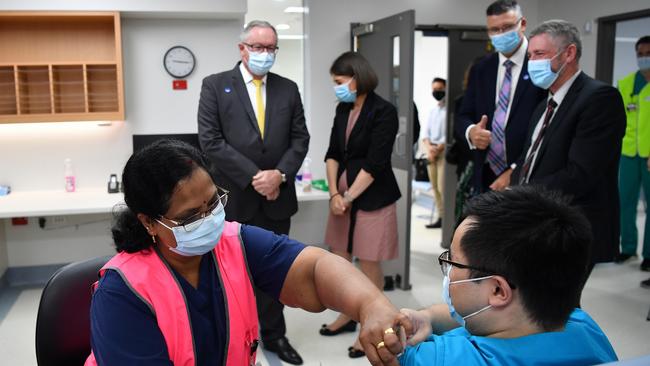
(248, 77)
(518, 57)
(558, 97)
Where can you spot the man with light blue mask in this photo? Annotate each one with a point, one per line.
(500, 97)
(252, 126)
(574, 144)
(510, 281)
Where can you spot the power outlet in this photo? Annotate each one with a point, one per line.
(57, 220)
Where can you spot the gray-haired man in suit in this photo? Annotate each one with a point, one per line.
(252, 127)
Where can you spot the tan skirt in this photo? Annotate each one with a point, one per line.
(375, 232)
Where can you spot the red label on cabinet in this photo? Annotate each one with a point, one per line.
(179, 84)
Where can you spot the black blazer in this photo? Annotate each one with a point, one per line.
(369, 148)
(579, 156)
(479, 100)
(229, 135)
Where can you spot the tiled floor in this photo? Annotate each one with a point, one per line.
(612, 296)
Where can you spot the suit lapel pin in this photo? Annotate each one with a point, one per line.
(526, 77)
(227, 90)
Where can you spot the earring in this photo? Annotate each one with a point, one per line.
(153, 238)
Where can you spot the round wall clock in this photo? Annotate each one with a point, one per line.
(179, 61)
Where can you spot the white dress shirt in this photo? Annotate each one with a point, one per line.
(250, 87)
(517, 59)
(436, 129)
(558, 97)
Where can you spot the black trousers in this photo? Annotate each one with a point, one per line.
(269, 310)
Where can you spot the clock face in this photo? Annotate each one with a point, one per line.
(179, 61)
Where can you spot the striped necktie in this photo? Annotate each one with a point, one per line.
(497, 152)
(525, 170)
(260, 105)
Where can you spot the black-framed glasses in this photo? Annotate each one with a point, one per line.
(446, 263)
(505, 29)
(215, 207)
(261, 48)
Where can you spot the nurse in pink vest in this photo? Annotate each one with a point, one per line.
(180, 289)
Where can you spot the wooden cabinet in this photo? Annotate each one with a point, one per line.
(60, 66)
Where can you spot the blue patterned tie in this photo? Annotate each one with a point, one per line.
(497, 152)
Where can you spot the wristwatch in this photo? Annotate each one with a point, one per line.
(284, 177)
(348, 197)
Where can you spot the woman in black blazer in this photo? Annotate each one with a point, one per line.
(363, 190)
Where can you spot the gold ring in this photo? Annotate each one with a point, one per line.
(389, 331)
(380, 345)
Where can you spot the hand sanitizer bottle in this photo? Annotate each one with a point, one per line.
(306, 175)
(70, 183)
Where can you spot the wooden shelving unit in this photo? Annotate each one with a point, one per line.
(60, 66)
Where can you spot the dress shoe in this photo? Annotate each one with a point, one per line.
(350, 326)
(355, 353)
(645, 265)
(622, 258)
(646, 283)
(283, 349)
(435, 225)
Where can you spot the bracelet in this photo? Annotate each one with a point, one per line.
(334, 195)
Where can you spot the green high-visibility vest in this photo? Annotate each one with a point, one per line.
(637, 108)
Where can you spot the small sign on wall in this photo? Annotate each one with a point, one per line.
(179, 84)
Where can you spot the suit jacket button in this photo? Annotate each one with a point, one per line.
(263, 150)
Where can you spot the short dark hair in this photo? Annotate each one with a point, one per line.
(354, 65)
(642, 40)
(439, 80)
(149, 179)
(534, 239)
(503, 6)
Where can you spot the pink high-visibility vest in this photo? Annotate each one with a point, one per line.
(153, 282)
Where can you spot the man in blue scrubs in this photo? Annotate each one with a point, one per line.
(511, 279)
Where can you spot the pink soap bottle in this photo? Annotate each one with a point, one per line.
(70, 183)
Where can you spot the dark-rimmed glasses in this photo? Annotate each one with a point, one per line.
(446, 263)
(261, 48)
(193, 222)
(505, 29)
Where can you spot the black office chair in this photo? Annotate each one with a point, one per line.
(63, 321)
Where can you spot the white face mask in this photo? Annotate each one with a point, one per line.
(447, 298)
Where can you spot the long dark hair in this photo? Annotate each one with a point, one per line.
(355, 65)
(149, 179)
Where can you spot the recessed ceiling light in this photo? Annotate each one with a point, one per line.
(296, 9)
(282, 26)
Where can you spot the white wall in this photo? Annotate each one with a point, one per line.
(327, 27)
(4, 263)
(579, 12)
(289, 61)
(430, 61)
(152, 107)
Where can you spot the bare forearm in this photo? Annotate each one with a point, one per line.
(440, 319)
(361, 183)
(332, 167)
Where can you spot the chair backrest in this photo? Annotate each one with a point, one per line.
(63, 321)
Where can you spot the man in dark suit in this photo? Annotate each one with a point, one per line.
(499, 99)
(574, 142)
(252, 126)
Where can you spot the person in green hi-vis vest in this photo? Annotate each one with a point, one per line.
(635, 164)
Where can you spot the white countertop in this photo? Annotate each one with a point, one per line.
(85, 201)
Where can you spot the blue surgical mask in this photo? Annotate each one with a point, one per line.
(643, 62)
(506, 42)
(202, 239)
(259, 63)
(447, 298)
(343, 93)
(541, 73)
